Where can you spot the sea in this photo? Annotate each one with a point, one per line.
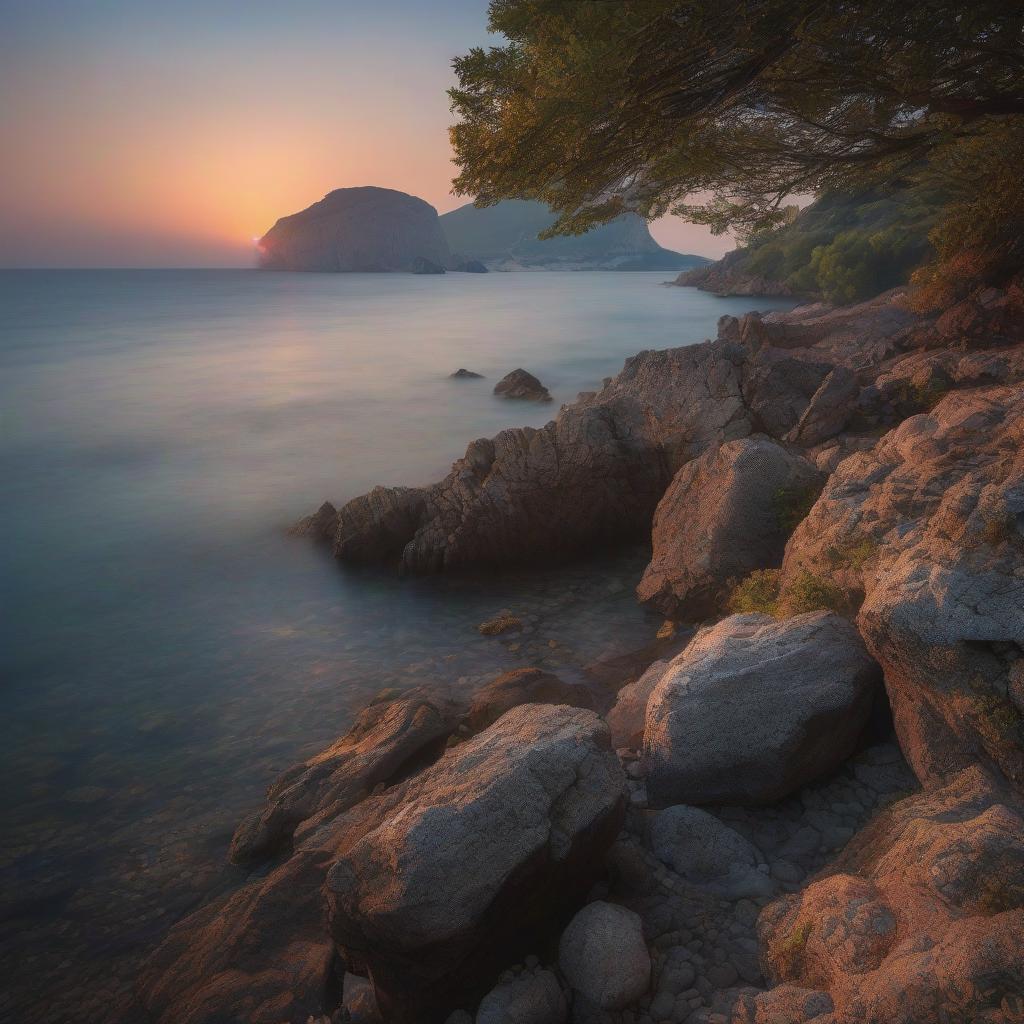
(166, 646)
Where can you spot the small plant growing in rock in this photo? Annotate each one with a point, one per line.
(792, 504)
(759, 592)
(854, 555)
(809, 593)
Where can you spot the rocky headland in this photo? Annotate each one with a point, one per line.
(810, 811)
(358, 230)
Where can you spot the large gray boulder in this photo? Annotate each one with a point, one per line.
(754, 708)
(724, 515)
(604, 957)
(444, 879)
(358, 229)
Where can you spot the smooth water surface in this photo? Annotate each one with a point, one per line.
(166, 648)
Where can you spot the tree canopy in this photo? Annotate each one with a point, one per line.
(724, 111)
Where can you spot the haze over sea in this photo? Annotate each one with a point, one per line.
(167, 646)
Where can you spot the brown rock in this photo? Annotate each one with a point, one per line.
(921, 916)
(522, 686)
(721, 517)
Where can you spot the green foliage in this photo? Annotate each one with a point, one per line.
(792, 504)
(847, 247)
(759, 592)
(596, 108)
(854, 555)
(809, 593)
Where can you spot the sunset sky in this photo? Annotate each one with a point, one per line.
(172, 134)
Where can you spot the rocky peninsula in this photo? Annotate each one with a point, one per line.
(811, 809)
(358, 230)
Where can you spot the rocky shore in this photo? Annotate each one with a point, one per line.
(810, 811)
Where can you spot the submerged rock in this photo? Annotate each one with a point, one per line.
(522, 686)
(441, 881)
(463, 374)
(358, 229)
(755, 708)
(723, 515)
(522, 385)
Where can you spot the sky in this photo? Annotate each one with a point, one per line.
(141, 134)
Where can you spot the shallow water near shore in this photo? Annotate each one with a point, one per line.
(167, 648)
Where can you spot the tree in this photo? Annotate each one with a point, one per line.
(599, 107)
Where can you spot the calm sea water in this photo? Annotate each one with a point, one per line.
(166, 648)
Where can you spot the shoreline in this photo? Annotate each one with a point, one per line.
(848, 389)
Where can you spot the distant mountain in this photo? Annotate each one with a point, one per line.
(504, 237)
(358, 229)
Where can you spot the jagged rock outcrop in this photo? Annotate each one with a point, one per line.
(723, 515)
(519, 384)
(595, 474)
(754, 708)
(921, 918)
(591, 476)
(358, 230)
(390, 737)
(441, 881)
(929, 526)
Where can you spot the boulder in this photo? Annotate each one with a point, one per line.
(708, 854)
(465, 266)
(390, 738)
(522, 686)
(754, 708)
(626, 718)
(531, 997)
(920, 918)
(522, 385)
(604, 957)
(723, 515)
(928, 528)
(464, 867)
(463, 374)
(357, 229)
